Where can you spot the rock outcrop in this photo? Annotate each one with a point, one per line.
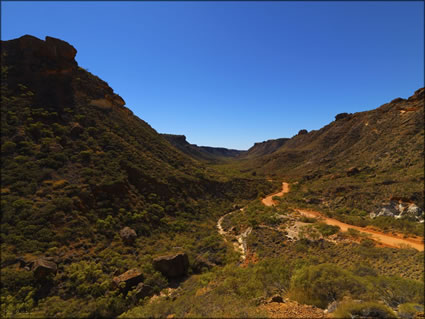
(45, 67)
(302, 132)
(341, 116)
(42, 268)
(173, 265)
(400, 209)
(130, 278)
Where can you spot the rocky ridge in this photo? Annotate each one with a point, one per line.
(202, 153)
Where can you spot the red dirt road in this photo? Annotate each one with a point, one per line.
(396, 241)
(268, 201)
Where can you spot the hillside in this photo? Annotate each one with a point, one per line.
(265, 148)
(360, 160)
(202, 153)
(77, 168)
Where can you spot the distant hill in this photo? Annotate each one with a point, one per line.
(202, 153)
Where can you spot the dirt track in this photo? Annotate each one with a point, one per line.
(387, 240)
(240, 244)
(268, 201)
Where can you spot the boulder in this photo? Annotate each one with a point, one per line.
(131, 278)
(76, 130)
(42, 268)
(276, 298)
(142, 290)
(173, 265)
(22, 262)
(128, 235)
(352, 171)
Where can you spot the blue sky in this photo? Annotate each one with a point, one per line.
(234, 73)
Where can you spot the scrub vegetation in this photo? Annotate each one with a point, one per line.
(91, 194)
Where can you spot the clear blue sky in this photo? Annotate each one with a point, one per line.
(234, 73)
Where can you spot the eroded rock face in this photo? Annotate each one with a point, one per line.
(128, 235)
(131, 278)
(45, 67)
(108, 102)
(341, 116)
(42, 268)
(57, 54)
(172, 266)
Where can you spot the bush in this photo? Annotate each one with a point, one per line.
(305, 219)
(8, 147)
(363, 310)
(396, 290)
(408, 310)
(327, 230)
(319, 285)
(86, 279)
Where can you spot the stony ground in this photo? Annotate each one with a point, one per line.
(292, 309)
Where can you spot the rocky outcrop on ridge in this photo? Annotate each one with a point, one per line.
(202, 153)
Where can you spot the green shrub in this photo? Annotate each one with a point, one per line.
(319, 285)
(397, 290)
(8, 147)
(327, 230)
(305, 219)
(408, 310)
(352, 309)
(86, 279)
